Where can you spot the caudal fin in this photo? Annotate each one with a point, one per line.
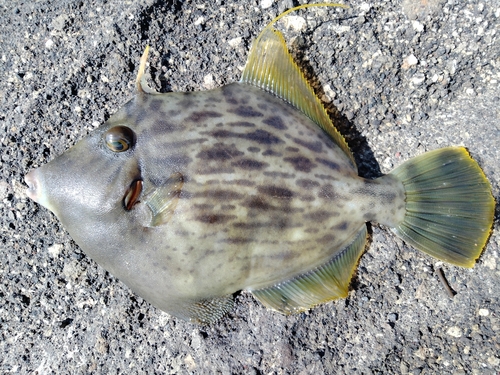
(449, 205)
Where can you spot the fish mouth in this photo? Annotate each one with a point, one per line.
(32, 181)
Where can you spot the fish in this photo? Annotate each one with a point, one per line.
(191, 197)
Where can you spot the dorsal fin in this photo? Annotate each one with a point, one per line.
(140, 82)
(271, 67)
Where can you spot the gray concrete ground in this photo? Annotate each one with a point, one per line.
(406, 77)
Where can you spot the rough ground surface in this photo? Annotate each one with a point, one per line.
(406, 76)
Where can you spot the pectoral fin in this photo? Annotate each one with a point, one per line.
(163, 200)
(325, 283)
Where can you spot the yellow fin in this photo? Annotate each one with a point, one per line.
(271, 67)
(449, 206)
(322, 284)
(140, 82)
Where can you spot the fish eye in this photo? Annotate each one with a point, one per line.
(120, 138)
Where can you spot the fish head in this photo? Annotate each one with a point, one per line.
(94, 186)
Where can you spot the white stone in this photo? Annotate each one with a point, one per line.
(49, 43)
(365, 7)
(235, 42)
(417, 26)
(264, 4)
(484, 312)
(296, 23)
(494, 361)
(410, 60)
(490, 262)
(418, 79)
(55, 249)
(208, 81)
(199, 21)
(454, 331)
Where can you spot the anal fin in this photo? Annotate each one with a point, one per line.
(208, 311)
(322, 284)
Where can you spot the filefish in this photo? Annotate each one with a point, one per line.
(191, 197)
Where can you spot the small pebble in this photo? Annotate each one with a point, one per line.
(454, 331)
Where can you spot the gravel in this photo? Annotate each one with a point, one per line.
(399, 77)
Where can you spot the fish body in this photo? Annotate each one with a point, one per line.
(190, 197)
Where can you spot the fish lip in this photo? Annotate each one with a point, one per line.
(32, 181)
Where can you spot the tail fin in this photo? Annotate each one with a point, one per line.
(449, 205)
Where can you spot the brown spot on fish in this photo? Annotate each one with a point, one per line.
(183, 144)
(230, 100)
(318, 216)
(292, 149)
(244, 124)
(213, 99)
(307, 198)
(187, 101)
(311, 230)
(215, 219)
(270, 152)
(301, 163)
(220, 194)
(279, 174)
(238, 240)
(155, 105)
(341, 226)
(163, 126)
(184, 194)
(220, 152)
(276, 122)
(216, 170)
(313, 146)
(173, 112)
(327, 192)
(285, 255)
(326, 239)
(306, 183)
(174, 162)
(212, 182)
(241, 182)
(259, 136)
(246, 111)
(203, 206)
(253, 149)
(275, 191)
(328, 163)
(203, 116)
(325, 177)
(368, 216)
(257, 203)
(250, 164)
(252, 225)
